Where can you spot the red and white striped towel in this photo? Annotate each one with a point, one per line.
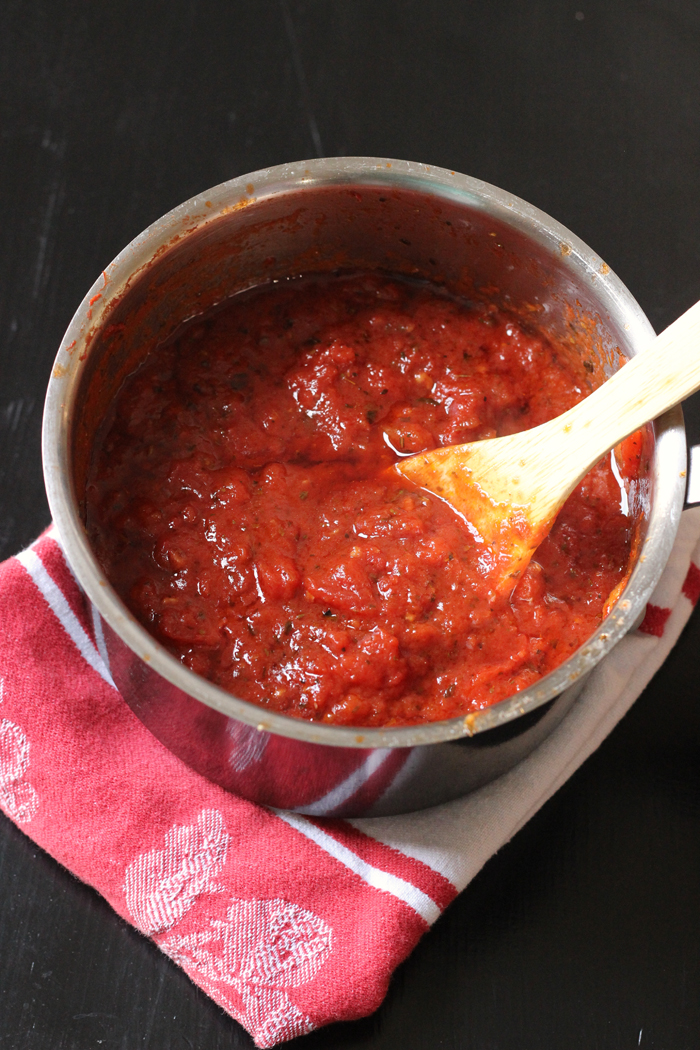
(288, 922)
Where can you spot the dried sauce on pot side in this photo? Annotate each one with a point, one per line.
(240, 503)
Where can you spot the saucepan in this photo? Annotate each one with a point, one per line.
(321, 216)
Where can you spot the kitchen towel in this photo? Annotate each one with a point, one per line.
(288, 922)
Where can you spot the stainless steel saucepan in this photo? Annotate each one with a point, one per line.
(321, 216)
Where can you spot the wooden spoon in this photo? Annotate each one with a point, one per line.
(510, 489)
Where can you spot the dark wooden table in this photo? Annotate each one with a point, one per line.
(584, 932)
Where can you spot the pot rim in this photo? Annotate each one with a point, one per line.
(245, 191)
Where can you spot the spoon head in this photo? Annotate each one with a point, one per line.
(505, 524)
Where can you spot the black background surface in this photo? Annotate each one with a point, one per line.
(584, 932)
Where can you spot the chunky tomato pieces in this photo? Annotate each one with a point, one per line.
(239, 502)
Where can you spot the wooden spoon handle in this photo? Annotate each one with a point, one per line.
(652, 382)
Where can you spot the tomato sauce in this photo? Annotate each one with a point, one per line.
(240, 502)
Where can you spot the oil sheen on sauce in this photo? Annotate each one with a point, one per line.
(240, 502)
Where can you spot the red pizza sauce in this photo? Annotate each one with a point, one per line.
(240, 503)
